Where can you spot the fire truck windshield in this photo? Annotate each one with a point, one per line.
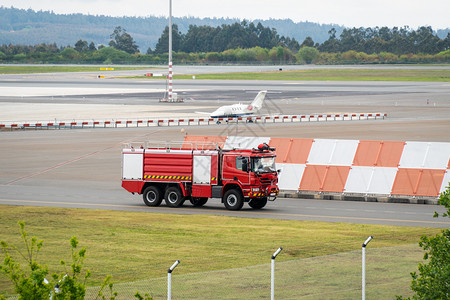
(263, 164)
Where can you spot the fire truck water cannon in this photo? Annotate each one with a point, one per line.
(264, 147)
(197, 173)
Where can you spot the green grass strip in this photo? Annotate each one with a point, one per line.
(57, 69)
(334, 75)
(133, 246)
(336, 276)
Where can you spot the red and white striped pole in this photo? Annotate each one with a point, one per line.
(170, 52)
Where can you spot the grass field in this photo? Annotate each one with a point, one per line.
(337, 74)
(334, 75)
(55, 69)
(133, 246)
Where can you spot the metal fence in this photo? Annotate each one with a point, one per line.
(326, 277)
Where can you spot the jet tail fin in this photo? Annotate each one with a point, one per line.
(258, 101)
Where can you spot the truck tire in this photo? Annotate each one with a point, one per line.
(198, 201)
(152, 196)
(233, 199)
(258, 203)
(173, 197)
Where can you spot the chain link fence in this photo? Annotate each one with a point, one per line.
(327, 277)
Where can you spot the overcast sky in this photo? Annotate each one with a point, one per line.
(350, 13)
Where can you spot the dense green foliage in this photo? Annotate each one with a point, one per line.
(396, 40)
(217, 39)
(121, 40)
(433, 279)
(32, 283)
(19, 26)
(242, 42)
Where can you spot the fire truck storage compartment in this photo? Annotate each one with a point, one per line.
(132, 165)
(201, 190)
(202, 169)
(164, 166)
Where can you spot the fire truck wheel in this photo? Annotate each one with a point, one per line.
(198, 201)
(258, 203)
(233, 199)
(152, 196)
(173, 197)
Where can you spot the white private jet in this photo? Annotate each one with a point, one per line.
(239, 110)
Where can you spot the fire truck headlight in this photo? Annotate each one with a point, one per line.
(255, 189)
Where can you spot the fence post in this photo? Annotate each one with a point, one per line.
(272, 281)
(364, 266)
(169, 279)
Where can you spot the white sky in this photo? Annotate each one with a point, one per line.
(350, 13)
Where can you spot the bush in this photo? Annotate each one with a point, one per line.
(433, 280)
(213, 57)
(70, 54)
(307, 55)
(32, 282)
(114, 55)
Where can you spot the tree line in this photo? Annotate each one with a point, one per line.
(217, 39)
(247, 43)
(19, 26)
(396, 40)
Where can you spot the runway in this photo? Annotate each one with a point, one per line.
(81, 168)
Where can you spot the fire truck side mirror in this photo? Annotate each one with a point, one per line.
(279, 171)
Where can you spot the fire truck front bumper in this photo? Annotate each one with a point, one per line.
(270, 192)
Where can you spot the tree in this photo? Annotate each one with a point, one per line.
(29, 284)
(70, 54)
(307, 54)
(111, 55)
(433, 280)
(121, 40)
(32, 282)
(163, 42)
(92, 47)
(81, 46)
(332, 44)
(308, 42)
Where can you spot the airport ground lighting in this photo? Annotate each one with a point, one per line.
(363, 289)
(367, 241)
(169, 279)
(272, 281)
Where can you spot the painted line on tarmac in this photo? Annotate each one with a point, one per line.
(73, 160)
(221, 211)
(56, 166)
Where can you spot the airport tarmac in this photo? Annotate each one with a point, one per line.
(417, 111)
(81, 167)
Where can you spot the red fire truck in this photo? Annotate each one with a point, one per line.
(198, 173)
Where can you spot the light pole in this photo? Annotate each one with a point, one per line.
(170, 97)
(272, 282)
(169, 279)
(364, 266)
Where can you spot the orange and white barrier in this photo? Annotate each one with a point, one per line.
(388, 168)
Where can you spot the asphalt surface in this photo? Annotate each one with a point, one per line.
(81, 168)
